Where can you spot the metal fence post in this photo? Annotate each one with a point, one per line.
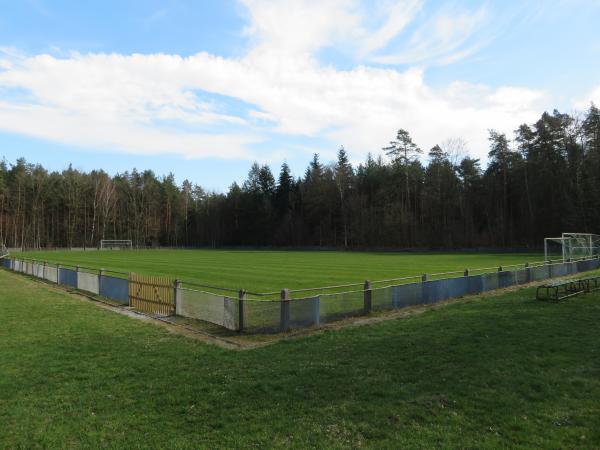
(425, 277)
(500, 269)
(44, 269)
(285, 310)
(368, 297)
(58, 274)
(242, 310)
(467, 272)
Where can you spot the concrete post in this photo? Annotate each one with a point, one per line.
(177, 297)
(368, 297)
(242, 310)
(100, 275)
(317, 311)
(285, 310)
(549, 264)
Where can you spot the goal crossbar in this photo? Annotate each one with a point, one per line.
(115, 243)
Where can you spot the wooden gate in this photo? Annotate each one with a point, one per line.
(151, 294)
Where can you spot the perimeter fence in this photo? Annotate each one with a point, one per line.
(293, 309)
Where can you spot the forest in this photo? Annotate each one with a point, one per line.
(538, 183)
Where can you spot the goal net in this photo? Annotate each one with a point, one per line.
(572, 246)
(115, 244)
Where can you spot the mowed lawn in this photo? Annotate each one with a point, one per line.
(491, 372)
(262, 271)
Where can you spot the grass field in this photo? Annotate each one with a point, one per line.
(261, 271)
(492, 372)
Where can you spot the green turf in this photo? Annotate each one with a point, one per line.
(261, 271)
(495, 372)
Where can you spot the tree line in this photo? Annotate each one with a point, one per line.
(542, 181)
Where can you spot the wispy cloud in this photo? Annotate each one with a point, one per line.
(398, 16)
(157, 16)
(444, 38)
(153, 103)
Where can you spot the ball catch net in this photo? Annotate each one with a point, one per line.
(572, 246)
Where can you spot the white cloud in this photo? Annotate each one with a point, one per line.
(155, 103)
(591, 97)
(399, 15)
(444, 38)
(114, 134)
(300, 27)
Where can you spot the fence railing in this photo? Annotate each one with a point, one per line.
(255, 313)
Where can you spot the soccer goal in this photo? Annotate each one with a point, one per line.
(116, 244)
(572, 246)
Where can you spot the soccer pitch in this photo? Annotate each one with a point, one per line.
(264, 271)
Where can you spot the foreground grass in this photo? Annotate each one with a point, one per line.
(493, 372)
(261, 271)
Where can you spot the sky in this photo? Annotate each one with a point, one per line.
(204, 88)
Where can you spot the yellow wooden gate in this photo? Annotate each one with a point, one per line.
(151, 294)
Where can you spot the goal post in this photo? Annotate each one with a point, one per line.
(116, 244)
(572, 246)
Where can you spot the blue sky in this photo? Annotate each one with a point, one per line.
(203, 88)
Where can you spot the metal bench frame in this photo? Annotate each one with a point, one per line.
(559, 290)
(589, 284)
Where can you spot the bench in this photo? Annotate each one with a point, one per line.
(557, 290)
(589, 284)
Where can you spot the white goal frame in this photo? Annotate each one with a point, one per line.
(116, 244)
(574, 246)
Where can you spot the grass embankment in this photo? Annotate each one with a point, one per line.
(262, 271)
(492, 372)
